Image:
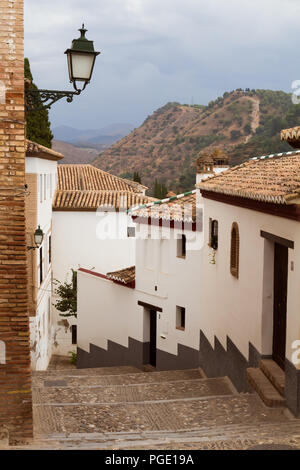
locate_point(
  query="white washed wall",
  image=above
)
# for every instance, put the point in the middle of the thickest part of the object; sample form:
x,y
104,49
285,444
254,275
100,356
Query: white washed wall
x,y
243,308
41,328
92,241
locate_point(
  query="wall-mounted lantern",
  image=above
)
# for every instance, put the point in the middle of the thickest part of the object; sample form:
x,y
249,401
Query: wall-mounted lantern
x,y
38,239
81,60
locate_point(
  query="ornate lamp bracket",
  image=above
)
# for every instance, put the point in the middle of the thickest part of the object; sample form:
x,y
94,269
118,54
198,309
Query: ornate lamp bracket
x,y
37,100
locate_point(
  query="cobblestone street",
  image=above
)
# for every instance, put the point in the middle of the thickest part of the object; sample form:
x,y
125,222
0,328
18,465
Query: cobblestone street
x,y
125,408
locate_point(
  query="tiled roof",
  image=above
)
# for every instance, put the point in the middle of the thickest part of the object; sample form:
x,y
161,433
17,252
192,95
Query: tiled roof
x,y
39,151
292,136
88,177
91,200
126,276
271,178
176,208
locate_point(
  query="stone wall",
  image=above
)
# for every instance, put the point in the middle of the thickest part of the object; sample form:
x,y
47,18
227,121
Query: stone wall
x,y
15,375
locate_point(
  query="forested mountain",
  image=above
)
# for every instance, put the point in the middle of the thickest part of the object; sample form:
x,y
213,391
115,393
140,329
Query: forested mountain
x,y
243,123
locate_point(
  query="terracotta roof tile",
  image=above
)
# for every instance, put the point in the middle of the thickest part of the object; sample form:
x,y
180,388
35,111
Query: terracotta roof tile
x,y
39,151
272,178
177,208
126,276
91,200
88,177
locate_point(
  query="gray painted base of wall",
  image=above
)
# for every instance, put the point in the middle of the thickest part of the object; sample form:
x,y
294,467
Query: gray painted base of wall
x,y
115,355
292,387
187,358
218,362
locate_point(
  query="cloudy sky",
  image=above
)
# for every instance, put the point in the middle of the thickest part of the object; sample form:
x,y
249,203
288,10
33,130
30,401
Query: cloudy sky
x,y
155,51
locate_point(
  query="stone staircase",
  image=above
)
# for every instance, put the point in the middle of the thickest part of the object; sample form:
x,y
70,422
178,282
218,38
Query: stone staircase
x,y
126,408
268,380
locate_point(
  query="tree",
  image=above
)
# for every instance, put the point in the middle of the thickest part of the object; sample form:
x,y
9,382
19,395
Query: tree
x,y
37,122
160,190
137,177
67,293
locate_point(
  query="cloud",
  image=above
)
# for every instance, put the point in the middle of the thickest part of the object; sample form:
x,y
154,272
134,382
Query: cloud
x,y
154,51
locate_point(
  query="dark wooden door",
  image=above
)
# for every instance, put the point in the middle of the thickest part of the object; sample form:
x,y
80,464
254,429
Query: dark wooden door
x,y
153,331
280,303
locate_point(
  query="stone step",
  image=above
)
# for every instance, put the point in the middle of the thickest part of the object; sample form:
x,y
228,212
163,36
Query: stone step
x,y
233,435
168,415
132,393
274,373
261,384
97,379
84,372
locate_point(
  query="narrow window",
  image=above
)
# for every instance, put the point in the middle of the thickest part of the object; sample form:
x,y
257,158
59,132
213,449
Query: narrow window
x,y
41,265
41,188
180,318
45,187
181,246
213,234
234,250
74,334
51,185
49,249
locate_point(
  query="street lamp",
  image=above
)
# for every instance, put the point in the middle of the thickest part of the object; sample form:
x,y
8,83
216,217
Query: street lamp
x,y
38,239
81,60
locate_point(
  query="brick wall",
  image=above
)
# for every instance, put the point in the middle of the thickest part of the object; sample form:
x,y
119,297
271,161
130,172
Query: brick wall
x,y
15,375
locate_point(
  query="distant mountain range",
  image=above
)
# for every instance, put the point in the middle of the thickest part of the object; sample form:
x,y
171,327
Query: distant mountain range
x,y
74,154
92,138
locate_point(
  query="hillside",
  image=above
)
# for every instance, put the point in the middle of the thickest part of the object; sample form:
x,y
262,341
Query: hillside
x,y
166,146
74,154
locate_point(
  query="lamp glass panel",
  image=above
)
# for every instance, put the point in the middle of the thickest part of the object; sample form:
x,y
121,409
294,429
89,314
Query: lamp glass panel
x,y
82,66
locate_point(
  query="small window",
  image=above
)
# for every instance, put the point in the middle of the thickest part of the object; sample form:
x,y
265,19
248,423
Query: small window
x,y
45,187
74,334
180,318
41,265
213,234
130,232
41,188
235,250
49,249
181,247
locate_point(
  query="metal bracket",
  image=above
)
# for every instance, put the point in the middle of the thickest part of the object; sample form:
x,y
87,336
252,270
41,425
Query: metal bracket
x,y
37,100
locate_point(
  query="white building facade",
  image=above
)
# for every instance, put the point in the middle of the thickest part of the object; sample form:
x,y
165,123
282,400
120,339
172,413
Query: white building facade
x,y
41,177
90,229
146,314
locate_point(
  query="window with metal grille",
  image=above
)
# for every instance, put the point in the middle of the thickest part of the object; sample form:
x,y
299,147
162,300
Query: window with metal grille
x,y
235,250
213,234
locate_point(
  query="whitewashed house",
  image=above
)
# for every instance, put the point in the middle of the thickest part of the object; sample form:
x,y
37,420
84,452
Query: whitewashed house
x,y
251,328
41,176
90,229
146,314
228,303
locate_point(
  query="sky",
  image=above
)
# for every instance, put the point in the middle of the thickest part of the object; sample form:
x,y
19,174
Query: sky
x,y
156,51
